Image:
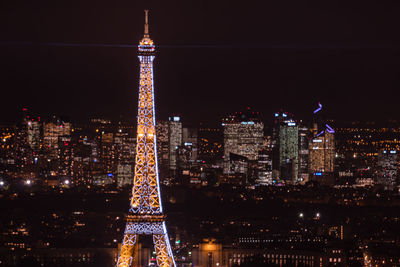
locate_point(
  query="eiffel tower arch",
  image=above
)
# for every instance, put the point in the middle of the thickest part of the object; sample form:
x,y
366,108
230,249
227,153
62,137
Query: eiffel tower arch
x,y
146,215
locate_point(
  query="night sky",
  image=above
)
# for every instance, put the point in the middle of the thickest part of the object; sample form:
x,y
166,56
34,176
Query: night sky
x,y
214,58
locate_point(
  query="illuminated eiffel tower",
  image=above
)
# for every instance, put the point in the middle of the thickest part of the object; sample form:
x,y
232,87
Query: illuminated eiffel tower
x,y
146,214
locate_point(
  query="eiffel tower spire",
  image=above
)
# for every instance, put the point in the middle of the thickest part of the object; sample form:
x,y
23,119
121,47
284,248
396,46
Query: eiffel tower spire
x,y
146,24
145,214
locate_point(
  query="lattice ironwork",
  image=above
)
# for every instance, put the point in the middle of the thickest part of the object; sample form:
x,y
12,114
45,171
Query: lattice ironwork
x,y
146,214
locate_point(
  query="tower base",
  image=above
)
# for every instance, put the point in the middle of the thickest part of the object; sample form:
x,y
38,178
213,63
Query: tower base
x,y
146,225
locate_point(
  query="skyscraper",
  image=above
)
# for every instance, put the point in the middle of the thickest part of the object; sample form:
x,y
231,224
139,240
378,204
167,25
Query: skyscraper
x,y
264,163
304,135
54,129
65,158
322,154
321,149
289,150
33,134
125,157
162,131
279,120
175,140
243,136
387,168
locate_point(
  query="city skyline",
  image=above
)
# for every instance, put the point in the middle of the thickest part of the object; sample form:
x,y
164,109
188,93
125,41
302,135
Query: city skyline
x,y
281,56
254,135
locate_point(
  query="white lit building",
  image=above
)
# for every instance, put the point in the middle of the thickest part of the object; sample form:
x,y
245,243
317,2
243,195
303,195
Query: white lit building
x,y
243,136
387,168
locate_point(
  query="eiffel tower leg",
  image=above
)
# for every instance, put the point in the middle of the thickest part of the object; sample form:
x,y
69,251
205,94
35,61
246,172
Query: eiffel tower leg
x,y
163,249
126,256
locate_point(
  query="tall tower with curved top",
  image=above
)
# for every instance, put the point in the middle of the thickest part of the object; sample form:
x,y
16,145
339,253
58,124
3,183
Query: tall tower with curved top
x,y
146,215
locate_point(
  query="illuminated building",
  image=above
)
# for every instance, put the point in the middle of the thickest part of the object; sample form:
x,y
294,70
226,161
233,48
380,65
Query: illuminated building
x,y
264,164
175,140
124,148
81,163
146,214
322,154
187,156
387,168
65,158
162,130
279,120
189,136
321,149
289,150
243,136
7,146
107,152
187,152
303,153
358,145
210,253
33,134
125,157
124,175
210,145
53,130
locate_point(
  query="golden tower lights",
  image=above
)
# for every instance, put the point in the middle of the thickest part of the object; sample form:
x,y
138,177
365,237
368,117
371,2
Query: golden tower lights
x,y
146,214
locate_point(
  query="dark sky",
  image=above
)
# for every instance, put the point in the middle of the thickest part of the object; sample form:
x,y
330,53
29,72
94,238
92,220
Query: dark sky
x,y
214,57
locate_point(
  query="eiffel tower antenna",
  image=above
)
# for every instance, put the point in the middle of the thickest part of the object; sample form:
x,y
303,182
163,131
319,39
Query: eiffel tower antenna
x,y
146,24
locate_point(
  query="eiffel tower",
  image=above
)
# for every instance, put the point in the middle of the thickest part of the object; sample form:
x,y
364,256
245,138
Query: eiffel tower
x,y
146,215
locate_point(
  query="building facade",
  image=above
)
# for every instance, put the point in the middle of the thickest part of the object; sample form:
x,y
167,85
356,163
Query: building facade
x,y
243,136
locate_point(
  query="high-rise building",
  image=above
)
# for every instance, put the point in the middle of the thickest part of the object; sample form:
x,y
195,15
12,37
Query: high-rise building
x,y
210,145
187,156
387,169
304,135
188,151
289,150
321,154
124,175
279,120
264,163
175,140
65,158
107,152
54,129
321,149
33,134
243,136
125,150
189,136
162,132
